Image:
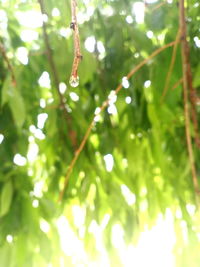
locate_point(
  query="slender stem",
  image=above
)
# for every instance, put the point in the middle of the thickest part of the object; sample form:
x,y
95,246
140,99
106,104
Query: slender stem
x,y
171,65
177,83
185,61
3,52
72,134
104,105
77,50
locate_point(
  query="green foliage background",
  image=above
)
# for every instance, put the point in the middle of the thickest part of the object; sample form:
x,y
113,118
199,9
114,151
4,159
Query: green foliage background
x,y
145,137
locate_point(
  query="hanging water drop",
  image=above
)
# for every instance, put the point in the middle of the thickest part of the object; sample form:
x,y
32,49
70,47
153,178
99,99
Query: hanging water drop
x,y
74,81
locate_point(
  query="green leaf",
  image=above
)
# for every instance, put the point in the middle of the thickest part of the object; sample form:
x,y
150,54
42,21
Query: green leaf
x,y
6,198
12,96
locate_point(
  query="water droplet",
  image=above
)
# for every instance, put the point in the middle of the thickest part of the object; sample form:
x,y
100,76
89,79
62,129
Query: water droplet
x,y
74,81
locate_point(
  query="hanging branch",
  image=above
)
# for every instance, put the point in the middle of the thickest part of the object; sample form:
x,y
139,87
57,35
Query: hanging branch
x,y
74,79
4,55
72,133
188,73
171,66
104,105
186,85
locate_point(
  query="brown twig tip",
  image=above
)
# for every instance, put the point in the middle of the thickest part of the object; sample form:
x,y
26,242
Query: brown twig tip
x,y
74,79
55,78
179,82
103,106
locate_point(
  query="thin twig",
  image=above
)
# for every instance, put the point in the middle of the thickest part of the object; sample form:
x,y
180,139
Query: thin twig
x,y
177,83
72,133
4,55
74,79
158,6
185,60
171,65
104,105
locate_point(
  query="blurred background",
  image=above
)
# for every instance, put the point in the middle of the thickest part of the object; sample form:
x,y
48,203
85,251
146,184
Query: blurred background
x,y
130,199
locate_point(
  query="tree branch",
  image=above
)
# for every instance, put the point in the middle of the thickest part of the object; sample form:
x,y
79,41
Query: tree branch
x,y
72,133
74,79
186,84
188,73
104,105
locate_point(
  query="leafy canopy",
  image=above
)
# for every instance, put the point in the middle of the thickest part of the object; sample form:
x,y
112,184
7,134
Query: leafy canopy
x,y
135,163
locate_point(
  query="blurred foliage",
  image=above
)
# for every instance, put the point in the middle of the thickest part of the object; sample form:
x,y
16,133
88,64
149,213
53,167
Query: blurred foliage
x,y
145,138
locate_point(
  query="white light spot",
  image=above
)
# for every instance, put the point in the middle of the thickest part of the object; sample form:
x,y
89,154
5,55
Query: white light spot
x,y
109,161
1,138
129,19
41,119
100,47
128,100
147,83
169,1
38,189
90,11
90,44
65,32
105,221
136,55
29,35
44,226
128,195
151,1
117,236
107,11
44,80
44,18
32,152
62,88
55,12
191,209
149,34
42,103
9,238
97,114
37,132
139,10
79,215
197,41
112,97
19,160
74,97
22,55
112,109
3,19
30,19
125,82
35,203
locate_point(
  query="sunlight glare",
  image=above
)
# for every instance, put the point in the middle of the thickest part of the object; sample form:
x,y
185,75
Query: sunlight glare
x,y
90,43
109,162
44,80
19,160
41,119
22,55
1,138
139,11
